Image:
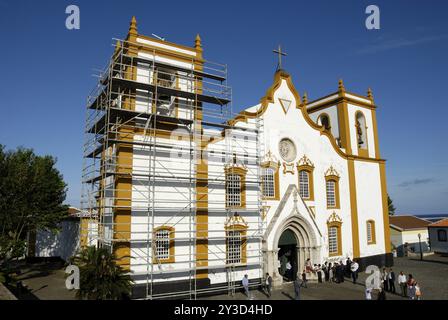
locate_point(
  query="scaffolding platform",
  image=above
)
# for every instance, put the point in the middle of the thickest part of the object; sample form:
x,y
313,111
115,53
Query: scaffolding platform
x,y
201,101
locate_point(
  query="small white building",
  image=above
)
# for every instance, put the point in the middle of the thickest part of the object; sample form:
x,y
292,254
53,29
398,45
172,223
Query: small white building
x,y
438,236
405,231
59,244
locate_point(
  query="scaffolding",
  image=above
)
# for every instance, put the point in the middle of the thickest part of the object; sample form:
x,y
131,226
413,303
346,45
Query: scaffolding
x,y
142,111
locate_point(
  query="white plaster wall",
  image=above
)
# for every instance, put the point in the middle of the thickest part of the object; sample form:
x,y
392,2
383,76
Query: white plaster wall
x,y
332,112
172,200
191,52
320,151
436,245
243,144
369,200
62,243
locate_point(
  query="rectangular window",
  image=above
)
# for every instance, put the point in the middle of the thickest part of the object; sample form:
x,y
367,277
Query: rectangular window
x,y
369,232
234,247
233,190
268,183
163,244
333,240
331,193
304,186
441,235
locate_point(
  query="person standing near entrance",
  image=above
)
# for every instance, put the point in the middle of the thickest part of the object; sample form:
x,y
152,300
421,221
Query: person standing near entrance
x,y
245,283
304,281
385,280
391,278
297,286
354,269
348,265
289,271
268,284
330,272
326,269
402,282
319,273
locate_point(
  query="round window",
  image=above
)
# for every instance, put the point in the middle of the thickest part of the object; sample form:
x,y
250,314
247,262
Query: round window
x,y
287,150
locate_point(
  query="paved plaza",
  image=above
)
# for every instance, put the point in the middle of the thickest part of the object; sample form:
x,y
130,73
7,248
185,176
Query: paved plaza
x,y
47,281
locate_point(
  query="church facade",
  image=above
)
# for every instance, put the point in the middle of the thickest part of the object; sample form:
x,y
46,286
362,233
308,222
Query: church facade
x,y
324,183
190,199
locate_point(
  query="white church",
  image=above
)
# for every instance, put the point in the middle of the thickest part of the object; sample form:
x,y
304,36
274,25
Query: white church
x,y
190,197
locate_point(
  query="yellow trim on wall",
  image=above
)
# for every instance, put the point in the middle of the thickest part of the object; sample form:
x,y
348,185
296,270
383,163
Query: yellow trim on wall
x,y
375,135
385,207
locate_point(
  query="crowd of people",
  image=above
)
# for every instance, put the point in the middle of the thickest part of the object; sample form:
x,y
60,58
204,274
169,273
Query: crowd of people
x,y
333,271
337,272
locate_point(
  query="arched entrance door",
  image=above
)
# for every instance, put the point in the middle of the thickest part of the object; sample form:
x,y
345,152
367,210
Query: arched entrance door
x,y
297,236
287,255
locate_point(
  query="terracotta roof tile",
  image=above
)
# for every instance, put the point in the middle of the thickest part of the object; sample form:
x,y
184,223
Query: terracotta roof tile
x,y
441,223
408,222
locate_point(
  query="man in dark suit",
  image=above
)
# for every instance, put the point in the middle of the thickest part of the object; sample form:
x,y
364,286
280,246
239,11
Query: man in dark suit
x,y
391,278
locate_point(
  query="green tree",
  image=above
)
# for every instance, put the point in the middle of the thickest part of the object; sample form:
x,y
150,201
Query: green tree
x,y
390,203
31,195
100,277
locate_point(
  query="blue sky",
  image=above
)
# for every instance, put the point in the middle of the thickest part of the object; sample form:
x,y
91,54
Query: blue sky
x,y
47,71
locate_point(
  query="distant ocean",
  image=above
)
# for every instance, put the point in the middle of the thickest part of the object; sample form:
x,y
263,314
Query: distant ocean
x,y
432,217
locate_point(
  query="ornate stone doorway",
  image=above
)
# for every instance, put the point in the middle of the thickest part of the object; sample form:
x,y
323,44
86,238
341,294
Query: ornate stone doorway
x,y
296,236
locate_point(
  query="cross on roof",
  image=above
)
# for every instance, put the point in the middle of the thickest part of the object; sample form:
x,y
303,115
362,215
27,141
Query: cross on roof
x,y
280,54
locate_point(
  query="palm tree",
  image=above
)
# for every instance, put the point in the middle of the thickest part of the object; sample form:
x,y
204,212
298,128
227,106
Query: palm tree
x,y
100,277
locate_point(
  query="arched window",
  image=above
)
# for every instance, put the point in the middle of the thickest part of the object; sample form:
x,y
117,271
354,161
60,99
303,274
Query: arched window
x,y
306,182
332,188
236,243
334,225
235,187
361,133
371,236
331,193
441,235
324,120
268,183
164,245
333,243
